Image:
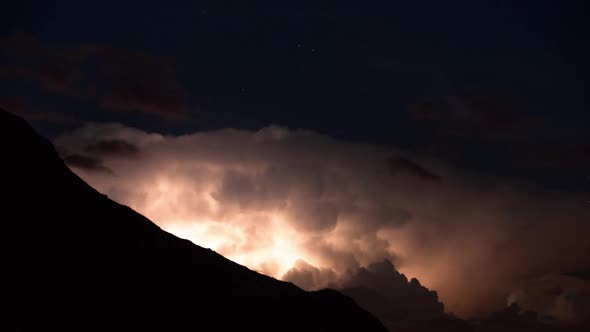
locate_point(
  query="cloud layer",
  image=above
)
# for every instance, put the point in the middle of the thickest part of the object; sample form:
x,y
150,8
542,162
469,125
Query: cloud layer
x,y
277,199
118,79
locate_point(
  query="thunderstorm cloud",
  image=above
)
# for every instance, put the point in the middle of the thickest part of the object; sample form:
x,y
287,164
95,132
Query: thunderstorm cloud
x,y
305,207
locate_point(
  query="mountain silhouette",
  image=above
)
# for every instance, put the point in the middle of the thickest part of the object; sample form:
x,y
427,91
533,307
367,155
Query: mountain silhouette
x,y
72,259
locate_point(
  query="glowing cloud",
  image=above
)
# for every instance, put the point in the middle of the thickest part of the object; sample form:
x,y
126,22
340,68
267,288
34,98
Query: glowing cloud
x,y
277,199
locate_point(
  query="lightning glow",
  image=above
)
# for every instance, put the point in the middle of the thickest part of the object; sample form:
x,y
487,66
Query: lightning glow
x,y
275,199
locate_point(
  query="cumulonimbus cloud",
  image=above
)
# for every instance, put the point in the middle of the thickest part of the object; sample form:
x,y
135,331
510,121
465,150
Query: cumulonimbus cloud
x,y
277,199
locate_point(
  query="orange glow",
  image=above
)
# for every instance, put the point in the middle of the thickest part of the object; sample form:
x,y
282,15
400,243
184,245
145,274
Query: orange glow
x,y
275,251
270,198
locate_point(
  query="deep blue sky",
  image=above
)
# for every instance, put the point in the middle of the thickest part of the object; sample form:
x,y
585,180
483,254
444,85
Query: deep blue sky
x,y
496,86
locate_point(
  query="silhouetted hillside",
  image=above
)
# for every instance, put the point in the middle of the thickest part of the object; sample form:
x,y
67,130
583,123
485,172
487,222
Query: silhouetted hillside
x,y
72,259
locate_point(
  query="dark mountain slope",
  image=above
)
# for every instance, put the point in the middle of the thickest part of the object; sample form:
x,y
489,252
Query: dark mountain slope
x,y
72,259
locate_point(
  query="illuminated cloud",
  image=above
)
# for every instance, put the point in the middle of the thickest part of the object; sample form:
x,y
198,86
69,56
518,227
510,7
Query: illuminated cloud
x,y
276,199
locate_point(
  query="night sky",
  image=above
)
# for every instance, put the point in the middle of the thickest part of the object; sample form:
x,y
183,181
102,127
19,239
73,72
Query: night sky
x,y
494,86
479,109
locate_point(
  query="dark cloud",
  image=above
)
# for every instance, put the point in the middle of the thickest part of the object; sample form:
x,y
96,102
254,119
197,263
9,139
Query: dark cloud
x,y
583,274
407,167
55,78
399,303
113,147
23,108
512,315
87,163
400,298
494,113
118,79
140,82
560,156
56,69
427,110
482,115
